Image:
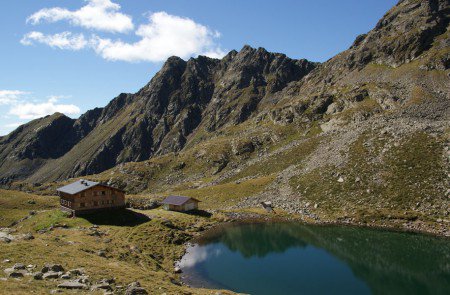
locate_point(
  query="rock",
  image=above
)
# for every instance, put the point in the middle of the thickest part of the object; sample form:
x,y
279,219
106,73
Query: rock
x,y
83,279
101,253
28,237
52,267
316,206
31,202
5,240
177,270
135,289
6,261
357,179
18,266
38,275
30,266
16,274
55,291
76,272
52,275
72,285
8,270
66,276
341,179
107,281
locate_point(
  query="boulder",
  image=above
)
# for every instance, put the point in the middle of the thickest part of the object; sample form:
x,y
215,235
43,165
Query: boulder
x,y
38,275
28,237
76,271
66,276
72,285
135,289
83,279
18,266
52,267
5,240
16,274
101,253
107,281
52,275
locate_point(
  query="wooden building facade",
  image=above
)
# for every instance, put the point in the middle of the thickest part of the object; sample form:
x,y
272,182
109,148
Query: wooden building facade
x,y
83,197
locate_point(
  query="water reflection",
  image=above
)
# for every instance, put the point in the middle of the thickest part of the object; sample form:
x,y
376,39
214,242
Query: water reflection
x,y
288,258
196,255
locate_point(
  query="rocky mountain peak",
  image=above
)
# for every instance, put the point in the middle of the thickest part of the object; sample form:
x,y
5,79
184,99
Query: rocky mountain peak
x,y
404,32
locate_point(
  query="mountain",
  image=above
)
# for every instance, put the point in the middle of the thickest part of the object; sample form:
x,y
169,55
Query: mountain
x,y
367,128
155,120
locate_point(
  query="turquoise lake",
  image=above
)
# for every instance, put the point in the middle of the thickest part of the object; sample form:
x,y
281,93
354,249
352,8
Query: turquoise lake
x,y
291,258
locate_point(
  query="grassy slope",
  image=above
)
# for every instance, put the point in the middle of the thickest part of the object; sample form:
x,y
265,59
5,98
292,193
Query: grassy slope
x,y
140,250
400,183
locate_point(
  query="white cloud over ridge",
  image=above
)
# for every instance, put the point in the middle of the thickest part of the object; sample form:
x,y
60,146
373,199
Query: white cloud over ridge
x,y
64,40
162,36
165,35
29,110
19,105
102,15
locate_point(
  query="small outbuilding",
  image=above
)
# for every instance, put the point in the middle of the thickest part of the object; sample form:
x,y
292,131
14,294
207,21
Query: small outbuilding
x,y
84,196
180,203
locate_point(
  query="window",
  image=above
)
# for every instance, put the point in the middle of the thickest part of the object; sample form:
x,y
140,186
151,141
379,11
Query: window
x,y
82,205
103,193
83,194
95,203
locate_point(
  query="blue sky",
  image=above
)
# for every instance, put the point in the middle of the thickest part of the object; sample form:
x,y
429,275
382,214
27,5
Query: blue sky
x,y
74,55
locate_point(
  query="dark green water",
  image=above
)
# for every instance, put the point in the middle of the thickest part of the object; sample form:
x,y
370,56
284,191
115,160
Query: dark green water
x,y
290,258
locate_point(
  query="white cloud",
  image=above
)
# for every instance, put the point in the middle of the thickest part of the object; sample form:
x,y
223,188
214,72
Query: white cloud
x,y
165,35
64,40
7,128
13,125
102,15
8,97
28,110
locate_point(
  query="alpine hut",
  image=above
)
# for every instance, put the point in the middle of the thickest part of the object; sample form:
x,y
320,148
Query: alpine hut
x,y
180,203
84,196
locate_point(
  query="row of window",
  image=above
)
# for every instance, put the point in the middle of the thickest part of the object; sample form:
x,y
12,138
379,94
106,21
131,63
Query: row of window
x,y
97,203
95,193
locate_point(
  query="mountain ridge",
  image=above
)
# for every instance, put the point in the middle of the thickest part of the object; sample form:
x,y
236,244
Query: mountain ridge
x,y
162,95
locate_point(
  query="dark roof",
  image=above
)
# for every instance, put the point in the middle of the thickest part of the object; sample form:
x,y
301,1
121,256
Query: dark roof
x,y
177,200
77,186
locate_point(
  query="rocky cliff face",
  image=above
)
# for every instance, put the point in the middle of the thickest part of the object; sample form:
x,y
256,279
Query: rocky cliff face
x,y
156,120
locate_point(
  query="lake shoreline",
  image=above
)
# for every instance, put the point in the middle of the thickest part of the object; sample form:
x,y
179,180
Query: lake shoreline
x,y
195,275
432,229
